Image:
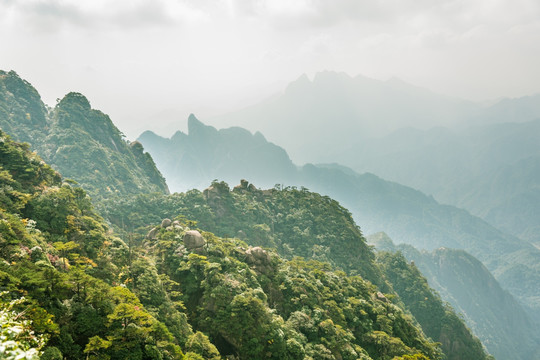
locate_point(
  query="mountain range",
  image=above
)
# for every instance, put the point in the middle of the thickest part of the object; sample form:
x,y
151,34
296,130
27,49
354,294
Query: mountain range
x,y
317,120
483,158
406,214
75,290
72,130
490,170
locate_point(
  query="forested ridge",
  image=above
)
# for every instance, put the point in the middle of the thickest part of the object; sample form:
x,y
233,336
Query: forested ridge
x,y
78,290
297,222
287,275
81,142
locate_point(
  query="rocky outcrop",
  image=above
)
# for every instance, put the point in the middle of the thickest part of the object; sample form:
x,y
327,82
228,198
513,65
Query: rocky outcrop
x,y
167,224
193,240
380,296
152,234
259,259
245,186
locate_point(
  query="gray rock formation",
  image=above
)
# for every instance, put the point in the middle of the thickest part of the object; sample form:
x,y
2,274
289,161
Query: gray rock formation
x,y
193,240
152,234
259,259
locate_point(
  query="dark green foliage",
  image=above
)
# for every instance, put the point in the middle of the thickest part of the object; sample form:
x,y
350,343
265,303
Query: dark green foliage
x,y
86,146
437,319
294,222
51,353
59,254
82,143
272,308
21,110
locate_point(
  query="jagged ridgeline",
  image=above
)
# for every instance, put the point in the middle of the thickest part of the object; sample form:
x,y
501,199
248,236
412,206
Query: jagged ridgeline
x,y
297,222
80,142
73,290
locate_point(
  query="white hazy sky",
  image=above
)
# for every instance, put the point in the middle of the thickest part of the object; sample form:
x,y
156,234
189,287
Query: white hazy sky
x,y
149,63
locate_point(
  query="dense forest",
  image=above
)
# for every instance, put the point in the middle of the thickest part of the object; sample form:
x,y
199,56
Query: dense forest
x,y
72,133
74,289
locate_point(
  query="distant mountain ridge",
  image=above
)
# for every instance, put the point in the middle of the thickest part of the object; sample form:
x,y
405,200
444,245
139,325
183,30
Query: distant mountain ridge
x,y
464,154
321,119
77,140
406,214
317,119
491,170
179,156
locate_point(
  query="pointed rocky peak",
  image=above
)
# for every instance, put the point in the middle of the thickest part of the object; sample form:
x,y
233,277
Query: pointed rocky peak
x,y
197,129
178,136
194,123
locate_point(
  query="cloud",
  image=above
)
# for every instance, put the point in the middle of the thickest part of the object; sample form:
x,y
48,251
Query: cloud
x,y
209,51
99,15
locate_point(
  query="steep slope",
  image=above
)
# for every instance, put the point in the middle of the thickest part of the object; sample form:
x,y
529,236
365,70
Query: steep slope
x,y
22,113
89,295
437,319
316,120
293,221
492,313
81,142
256,305
85,145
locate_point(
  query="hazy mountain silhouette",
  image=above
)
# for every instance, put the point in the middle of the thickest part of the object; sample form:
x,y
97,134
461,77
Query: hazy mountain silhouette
x,y
491,170
465,154
318,120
